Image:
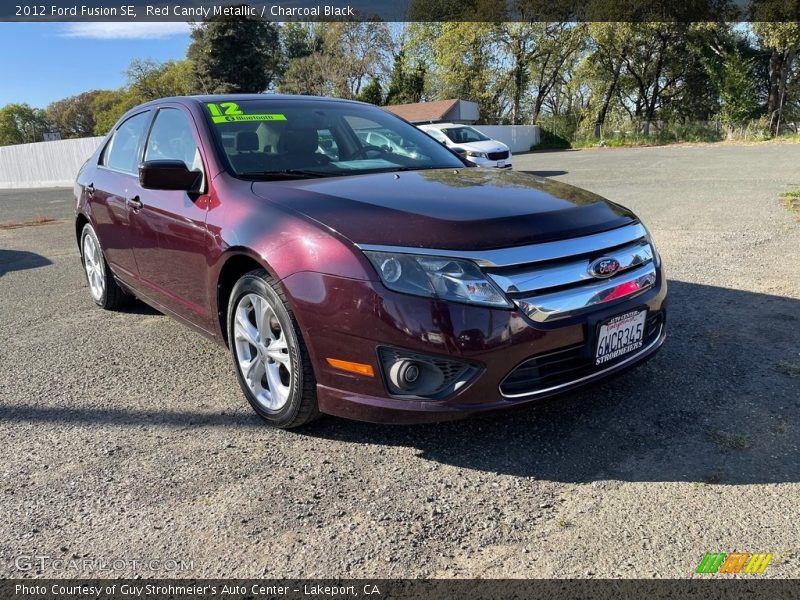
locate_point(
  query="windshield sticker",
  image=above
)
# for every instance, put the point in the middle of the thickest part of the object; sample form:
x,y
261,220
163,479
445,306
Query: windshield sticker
x,y
229,112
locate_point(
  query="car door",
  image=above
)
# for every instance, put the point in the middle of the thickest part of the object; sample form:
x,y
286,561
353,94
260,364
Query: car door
x,y
113,186
171,225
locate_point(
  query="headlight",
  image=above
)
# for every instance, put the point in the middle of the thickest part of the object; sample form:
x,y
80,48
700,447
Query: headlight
x,y
436,277
649,238
476,154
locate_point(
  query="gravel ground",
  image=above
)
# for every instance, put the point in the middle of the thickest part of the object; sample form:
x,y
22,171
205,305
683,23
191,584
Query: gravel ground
x,y
125,435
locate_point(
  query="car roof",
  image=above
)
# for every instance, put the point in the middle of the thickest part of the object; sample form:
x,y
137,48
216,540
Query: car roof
x,y
202,99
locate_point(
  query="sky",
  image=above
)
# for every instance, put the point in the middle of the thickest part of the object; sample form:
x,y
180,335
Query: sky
x,y
44,62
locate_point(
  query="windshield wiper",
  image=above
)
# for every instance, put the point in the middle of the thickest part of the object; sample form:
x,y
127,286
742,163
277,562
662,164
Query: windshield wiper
x,y
285,174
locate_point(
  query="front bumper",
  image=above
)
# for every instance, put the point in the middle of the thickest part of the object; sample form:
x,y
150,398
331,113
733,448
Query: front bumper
x,y
488,163
349,319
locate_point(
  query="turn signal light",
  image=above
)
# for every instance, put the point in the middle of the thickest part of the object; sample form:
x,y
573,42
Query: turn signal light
x,y
352,367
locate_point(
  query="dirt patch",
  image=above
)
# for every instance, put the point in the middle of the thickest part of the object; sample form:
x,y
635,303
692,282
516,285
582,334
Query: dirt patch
x,y
36,221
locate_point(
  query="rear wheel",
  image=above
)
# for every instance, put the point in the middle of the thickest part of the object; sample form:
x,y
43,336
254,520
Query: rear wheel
x,y
269,353
103,289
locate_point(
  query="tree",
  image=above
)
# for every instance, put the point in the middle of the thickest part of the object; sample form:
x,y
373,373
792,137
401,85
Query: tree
x,y
737,91
782,40
468,66
405,85
21,124
234,55
74,117
150,79
558,51
344,57
603,67
109,105
372,93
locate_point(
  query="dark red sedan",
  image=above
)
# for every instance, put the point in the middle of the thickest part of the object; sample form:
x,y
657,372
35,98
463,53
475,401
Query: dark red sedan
x,y
385,282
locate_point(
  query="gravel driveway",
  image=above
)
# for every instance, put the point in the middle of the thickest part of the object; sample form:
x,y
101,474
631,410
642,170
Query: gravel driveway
x,y
125,435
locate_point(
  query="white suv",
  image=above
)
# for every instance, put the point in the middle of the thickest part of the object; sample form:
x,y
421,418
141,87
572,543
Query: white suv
x,y
483,151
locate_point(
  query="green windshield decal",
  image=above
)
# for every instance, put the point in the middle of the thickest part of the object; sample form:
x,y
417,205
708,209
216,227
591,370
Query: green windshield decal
x,y
229,112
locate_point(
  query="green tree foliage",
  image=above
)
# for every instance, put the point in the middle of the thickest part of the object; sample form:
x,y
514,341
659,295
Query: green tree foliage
x,y
372,93
74,117
21,124
234,55
468,65
150,79
782,41
337,58
405,85
109,105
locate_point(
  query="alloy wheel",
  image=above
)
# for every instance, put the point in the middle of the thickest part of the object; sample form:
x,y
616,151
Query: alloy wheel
x,y
262,352
93,263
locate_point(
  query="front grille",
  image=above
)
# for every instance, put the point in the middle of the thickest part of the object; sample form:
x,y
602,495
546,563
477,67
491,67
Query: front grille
x,y
556,280
498,155
568,364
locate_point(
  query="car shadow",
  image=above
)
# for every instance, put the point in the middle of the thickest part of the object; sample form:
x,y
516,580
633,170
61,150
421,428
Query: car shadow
x,y
545,173
720,403
20,260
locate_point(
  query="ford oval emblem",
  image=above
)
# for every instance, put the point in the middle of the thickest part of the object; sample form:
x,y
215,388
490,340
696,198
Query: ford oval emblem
x,y
604,267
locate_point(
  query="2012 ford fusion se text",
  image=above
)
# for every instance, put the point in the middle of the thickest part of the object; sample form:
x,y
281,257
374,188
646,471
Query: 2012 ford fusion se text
x,y
383,283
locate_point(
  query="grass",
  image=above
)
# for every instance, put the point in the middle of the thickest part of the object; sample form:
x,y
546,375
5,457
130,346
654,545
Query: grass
x,y
563,523
791,200
40,220
731,442
560,139
786,368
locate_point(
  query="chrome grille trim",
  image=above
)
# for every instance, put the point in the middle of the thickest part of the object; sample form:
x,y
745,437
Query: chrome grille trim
x,y
540,278
544,308
520,255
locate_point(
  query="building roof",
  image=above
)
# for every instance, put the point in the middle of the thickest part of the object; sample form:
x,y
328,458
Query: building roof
x,y
418,112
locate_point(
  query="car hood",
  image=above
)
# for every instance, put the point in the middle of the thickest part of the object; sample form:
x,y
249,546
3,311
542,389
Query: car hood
x,y
486,146
450,209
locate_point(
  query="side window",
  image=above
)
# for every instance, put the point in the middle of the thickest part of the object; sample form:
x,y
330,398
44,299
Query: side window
x,y
122,152
327,143
436,134
171,138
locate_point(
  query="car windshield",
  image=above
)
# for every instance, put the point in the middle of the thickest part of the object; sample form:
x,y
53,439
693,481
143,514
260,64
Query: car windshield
x,y
279,138
464,135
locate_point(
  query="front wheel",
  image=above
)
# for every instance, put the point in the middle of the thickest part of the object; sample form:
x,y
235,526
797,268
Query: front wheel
x,y
269,354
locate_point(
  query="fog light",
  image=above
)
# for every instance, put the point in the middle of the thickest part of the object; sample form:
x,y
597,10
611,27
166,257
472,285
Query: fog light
x,y
418,375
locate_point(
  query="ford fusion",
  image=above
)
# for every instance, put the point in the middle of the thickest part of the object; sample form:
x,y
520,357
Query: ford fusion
x,y
379,280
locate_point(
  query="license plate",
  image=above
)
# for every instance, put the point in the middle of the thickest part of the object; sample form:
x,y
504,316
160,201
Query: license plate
x,y
619,336
501,164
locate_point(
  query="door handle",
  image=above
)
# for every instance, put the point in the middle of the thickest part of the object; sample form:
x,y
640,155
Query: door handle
x,y
135,204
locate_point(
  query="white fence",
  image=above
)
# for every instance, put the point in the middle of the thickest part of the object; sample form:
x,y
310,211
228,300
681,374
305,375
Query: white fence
x,y
44,164
49,164
519,138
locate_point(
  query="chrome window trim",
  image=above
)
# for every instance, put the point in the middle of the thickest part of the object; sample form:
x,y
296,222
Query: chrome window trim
x,y
662,334
567,303
576,272
520,255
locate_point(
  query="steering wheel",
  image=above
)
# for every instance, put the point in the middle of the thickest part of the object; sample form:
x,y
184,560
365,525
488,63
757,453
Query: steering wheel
x,y
369,148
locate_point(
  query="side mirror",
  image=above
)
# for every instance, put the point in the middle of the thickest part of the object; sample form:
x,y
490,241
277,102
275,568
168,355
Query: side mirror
x,y
168,175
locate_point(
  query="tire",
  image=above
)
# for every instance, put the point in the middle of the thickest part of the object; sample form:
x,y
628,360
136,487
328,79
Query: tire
x,y
269,354
103,288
